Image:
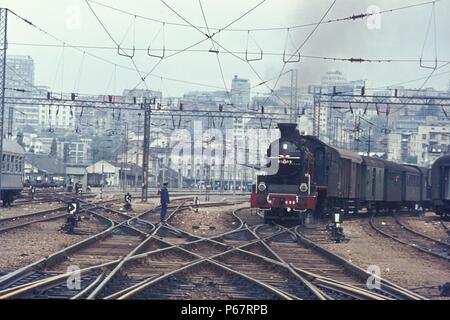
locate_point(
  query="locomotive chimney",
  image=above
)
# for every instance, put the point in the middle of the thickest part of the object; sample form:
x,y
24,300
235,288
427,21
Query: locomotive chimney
x,y
287,129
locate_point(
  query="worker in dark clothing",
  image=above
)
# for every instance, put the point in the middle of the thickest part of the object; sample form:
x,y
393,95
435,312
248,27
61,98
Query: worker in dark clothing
x,y
78,187
164,195
7,199
32,191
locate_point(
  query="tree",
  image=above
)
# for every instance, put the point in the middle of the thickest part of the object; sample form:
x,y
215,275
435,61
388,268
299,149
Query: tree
x,y
53,148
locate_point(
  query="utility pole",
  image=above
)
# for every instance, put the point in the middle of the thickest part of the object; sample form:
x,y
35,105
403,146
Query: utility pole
x,y
10,121
145,154
293,112
137,152
368,145
3,47
316,114
235,164
126,157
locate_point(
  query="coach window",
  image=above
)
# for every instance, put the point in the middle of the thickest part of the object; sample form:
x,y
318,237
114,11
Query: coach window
x,y
3,162
16,165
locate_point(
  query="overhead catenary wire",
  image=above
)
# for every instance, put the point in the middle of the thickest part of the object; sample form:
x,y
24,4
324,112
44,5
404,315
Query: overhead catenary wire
x,y
310,34
76,85
224,48
347,59
279,28
216,53
432,18
118,44
196,83
202,40
237,52
102,59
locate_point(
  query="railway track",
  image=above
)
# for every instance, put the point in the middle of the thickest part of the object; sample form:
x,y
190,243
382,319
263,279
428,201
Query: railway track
x,y
336,277
198,267
164,262
250,260
90,255
19,221
50,196
391,227
7,224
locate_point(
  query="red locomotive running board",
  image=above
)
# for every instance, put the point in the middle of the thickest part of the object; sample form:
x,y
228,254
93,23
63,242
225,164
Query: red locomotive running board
x,y
292,201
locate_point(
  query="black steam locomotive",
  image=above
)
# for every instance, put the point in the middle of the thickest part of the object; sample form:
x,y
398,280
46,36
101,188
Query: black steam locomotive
x,y
309,176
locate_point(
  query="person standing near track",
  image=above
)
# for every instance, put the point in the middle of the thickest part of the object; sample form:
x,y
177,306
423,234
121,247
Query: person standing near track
x,y
164,197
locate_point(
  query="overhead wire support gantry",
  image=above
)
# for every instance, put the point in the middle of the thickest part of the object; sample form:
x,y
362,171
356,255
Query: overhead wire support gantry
x,y
334,100
3,48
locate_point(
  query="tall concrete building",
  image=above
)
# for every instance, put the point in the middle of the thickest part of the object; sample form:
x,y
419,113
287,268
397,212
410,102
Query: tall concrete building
x,y
240,92
20,83
19,74
432,143
56,117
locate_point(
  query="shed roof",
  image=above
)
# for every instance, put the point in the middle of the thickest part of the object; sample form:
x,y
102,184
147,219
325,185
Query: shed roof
x,y
45,163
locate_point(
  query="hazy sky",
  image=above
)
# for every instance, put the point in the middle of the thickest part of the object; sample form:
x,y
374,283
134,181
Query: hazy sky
x,y
401,36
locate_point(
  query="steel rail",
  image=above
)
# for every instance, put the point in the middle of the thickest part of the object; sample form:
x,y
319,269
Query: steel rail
x,y
340,286
97,290
387,286
131,254
200,239
24,288
61,254
418,247
31,215
190,266
54,279
212,258
397,219
170,247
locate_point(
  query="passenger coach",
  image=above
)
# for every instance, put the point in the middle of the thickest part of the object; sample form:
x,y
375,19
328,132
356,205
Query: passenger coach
x,y
11,182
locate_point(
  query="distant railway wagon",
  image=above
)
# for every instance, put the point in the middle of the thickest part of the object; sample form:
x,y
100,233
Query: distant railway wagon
x,y
11,182
440,181
315,177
